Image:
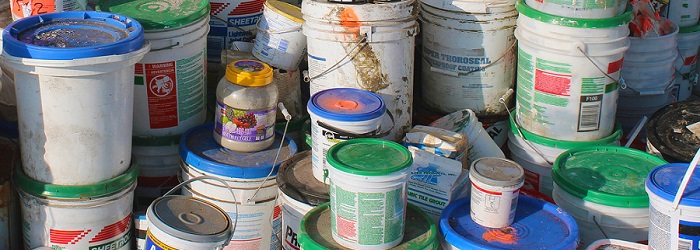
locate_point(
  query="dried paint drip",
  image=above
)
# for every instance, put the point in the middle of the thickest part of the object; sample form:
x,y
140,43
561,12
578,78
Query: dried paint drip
x,y
508,235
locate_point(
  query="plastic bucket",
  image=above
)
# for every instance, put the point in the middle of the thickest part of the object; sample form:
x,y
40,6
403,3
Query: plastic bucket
x,y
673,228
362,172
668,135
468,59
480,142
231,20
24,8
495,187
648,67
364,46
170,81
686,76
279,41
684,13
555,62
602,188
615,244
67,95
580,9
497,128
10,225
159,161
77,217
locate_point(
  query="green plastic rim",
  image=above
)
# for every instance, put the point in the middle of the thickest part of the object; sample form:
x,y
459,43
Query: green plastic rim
x,y
155,141
304,237
544,141
100,189
343,157
586,23
690,29
149,15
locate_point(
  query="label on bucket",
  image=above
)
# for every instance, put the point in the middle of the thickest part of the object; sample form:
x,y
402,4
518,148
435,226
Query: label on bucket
x,y
663,227
113,236
252,227
232,20
152,243
245,125
491,208
532,180
25,8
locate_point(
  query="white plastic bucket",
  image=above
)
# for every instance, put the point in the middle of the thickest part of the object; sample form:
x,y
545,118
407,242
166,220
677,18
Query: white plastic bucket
x,y
473,6
364,46
648,67
279,41
495,188
686,76
231,20
632,106
580,9
159,161
603,244
555,61
684,13
468,59
24,8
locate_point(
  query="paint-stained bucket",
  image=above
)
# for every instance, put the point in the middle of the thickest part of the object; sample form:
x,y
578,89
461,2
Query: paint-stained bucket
x,y
170,81
563,90
603,189
231,20
684,13
75,103
10,225
298,194
648,67
24,8
580,9
669,133
279,41
364,46
159,162
420,232
495,185
368,179
538,225
77,217
686,76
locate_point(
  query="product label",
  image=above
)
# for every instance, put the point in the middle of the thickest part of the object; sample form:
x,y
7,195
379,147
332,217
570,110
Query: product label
x,y
231,21
152,243
275,241
114,236
659,230
317,65
474,62
244,125
25,8
257,229
492,208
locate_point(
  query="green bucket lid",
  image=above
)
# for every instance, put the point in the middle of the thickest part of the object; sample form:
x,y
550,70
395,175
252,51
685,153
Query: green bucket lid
x,y
369,157
607,175
540,140
158,14
155,141
689,29
103,188
587,23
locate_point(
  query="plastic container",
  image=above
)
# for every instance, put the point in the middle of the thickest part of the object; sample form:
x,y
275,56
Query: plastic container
x,y
686,77
494,194
480,142
279,41
159,163
246,107
616,244
648,67
667,134
580,9
21,8
685,13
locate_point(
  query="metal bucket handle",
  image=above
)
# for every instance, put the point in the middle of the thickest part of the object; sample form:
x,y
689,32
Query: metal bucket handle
x,y
371,134
518,128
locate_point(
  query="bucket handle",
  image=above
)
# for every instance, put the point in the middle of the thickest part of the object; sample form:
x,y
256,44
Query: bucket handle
x,y
620,82
686,179
457,73
669,85
371,134
518,128
288,118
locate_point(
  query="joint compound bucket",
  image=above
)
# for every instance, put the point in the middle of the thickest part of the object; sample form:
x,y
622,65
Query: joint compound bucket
x,y
648,67
231,20
686,76
339,115
364,46
673,228
684,13
75,104
298,194
538,225
468,59
170,80
580,9
279,41
495,184
561,94
669,133
77,217
602,188
368,192
24,8
252,177
159,161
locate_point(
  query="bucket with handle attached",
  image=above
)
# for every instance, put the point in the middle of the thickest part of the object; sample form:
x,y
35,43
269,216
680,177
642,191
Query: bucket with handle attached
x,y
279,41
686,64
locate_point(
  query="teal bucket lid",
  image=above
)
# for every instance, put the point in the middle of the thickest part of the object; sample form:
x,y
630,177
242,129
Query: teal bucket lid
x,y
158,14
544,141
607,175
100,189
369,157
586,23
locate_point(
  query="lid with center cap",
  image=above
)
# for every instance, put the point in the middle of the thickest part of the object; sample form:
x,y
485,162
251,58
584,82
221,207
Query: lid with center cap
x,y
189,218
346,104
158,14
497,172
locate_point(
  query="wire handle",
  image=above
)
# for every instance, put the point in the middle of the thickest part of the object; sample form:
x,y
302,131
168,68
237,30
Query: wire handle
x,y
686,179
518,127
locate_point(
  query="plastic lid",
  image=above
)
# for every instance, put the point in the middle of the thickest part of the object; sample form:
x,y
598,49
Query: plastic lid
x,y
540,140
199,150
72,35
158,14
369,157
155,141
665,180
103,188
616,21
668,133
607,175
497,171
285,9
537,225
689,29
190,219
251,73
293,180
346,104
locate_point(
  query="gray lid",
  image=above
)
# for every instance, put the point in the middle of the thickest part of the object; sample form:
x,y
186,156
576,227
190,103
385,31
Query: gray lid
x,y
189,218
497,171
293,180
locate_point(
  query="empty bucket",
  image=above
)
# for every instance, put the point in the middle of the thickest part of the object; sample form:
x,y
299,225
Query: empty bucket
x,y
159,161
648,67
279,41
669,133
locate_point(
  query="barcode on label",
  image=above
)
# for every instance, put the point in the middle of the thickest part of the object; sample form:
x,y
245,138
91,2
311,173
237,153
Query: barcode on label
x,y
685,244
589,113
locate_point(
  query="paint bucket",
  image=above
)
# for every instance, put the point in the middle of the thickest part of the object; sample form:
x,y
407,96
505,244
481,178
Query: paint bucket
x,y
603,189
24,8
279,41
362,172
339,115
538,225
170,81
648,67
419,231
252,177
77,217
468,59
298,194
140,229
555,61
686,76
159,161
364,46
580,9
668,135
231,20
75,104
616,244
684,13
10,225
494,193
671,228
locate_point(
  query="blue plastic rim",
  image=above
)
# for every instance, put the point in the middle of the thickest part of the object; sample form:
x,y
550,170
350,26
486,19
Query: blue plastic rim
x,y
372,105
665,180
74,35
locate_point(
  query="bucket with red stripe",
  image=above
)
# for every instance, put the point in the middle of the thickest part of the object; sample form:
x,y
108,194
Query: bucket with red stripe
x,y
496,184
231,20
159,161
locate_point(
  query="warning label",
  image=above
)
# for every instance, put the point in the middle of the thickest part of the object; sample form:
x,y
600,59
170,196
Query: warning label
x,y
162,94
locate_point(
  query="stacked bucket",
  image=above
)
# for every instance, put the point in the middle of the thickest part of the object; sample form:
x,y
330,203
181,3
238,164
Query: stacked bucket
x,y
685,14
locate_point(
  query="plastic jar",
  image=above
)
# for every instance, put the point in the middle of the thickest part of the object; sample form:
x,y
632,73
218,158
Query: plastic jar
x,y
246,107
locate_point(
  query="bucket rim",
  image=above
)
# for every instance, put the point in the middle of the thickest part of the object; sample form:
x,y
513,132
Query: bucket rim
x,y
155,220
199,9
172,140
315,107
660,188
378,168
616,21
689,29
563,144
659,122
282,8
304,195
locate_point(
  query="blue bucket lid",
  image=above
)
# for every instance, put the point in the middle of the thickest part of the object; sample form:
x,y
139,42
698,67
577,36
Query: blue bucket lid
x,y
347,104
664,181
538,225
72,35
199,150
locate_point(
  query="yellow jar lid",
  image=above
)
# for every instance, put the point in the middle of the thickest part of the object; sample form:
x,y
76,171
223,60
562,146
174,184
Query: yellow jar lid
x,y
250,73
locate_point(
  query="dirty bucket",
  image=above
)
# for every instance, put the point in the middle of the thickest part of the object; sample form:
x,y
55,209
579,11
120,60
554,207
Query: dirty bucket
x,y
24,8
159,161
77,217
561,93
362,172
668,134
468,59
10,224
279,41
686,76
170,81
75,104
603,189
231,20
364,46
684,13
648,67
538,225
605,244
480,142
580,9
494,195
